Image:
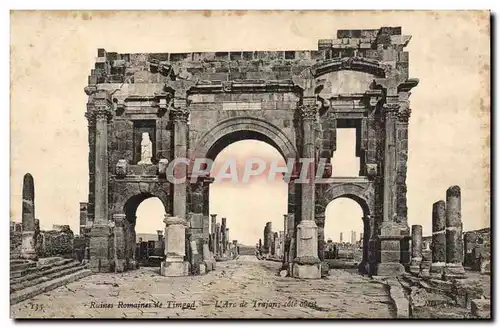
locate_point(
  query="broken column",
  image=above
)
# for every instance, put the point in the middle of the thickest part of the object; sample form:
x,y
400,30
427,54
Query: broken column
x,y
236,249
267,238
175,248
119,243
281,244
207,256
228,242
212,231
223,240
275,244
470,240
454,246
28,250
217,250
416,248
438,239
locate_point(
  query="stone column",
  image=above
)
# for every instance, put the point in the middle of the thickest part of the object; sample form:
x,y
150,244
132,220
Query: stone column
x,y
28,250
133,263
425,265
267,240
390,111
212,231
307,265
119,242
223,236
416,248
273,243
320,223
175,248
438,239
454,243
470,240
282,244
180,118
391,232
228,241
217,250
99,113
236,249
285,223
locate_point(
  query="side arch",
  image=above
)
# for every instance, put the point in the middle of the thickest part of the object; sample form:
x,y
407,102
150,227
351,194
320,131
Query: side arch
x,y
361,194
134,193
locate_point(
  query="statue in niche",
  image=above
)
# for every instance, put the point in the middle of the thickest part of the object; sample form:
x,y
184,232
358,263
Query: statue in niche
x,y
146,149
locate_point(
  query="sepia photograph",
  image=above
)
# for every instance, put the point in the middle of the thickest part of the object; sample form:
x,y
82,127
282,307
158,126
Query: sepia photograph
x,y
250,165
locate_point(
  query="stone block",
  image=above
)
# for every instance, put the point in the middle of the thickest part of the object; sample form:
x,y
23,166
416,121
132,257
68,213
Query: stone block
x,y
174,269
162,167
307,271
481,308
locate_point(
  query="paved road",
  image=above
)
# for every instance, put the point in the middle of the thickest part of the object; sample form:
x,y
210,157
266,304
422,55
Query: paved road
x,y
244,288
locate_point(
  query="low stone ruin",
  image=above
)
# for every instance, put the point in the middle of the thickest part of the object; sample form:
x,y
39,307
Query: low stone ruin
x,y
40,260
448,275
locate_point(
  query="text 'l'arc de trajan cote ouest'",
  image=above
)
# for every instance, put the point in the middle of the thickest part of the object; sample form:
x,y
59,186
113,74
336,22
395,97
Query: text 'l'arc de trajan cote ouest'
x,y
192,105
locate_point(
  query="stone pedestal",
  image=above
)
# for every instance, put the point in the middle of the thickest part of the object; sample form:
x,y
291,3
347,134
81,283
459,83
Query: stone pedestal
x,y
175,248
390,250
438,239
99,248
416,248
307,264
28,251
454,242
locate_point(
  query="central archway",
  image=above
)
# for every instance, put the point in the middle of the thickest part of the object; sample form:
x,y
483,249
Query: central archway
x,y
233,130
241,128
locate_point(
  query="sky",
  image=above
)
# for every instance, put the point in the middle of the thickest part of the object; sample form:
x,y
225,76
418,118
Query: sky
x,y
52,54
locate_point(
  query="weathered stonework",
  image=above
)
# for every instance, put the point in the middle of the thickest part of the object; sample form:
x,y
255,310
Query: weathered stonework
x,y
438,239
195,104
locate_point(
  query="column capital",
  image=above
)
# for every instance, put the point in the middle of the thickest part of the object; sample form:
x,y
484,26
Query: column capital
x,y
404,115
179,115
308,111
174,220
99,113
391,108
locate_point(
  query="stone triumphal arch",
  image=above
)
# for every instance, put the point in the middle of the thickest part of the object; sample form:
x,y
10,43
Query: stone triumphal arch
x,y
145,110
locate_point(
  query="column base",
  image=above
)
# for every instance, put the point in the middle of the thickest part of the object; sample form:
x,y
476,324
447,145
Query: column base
x,y
99,249
453,271
414,267
174,269
132,264
425,269
200,269
100,265
436,270
28,251
389,269
210,265
306,271
120,266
